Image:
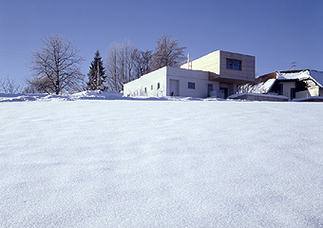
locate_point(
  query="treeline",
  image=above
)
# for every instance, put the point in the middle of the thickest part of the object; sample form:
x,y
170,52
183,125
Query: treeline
x,y
56,65
8,85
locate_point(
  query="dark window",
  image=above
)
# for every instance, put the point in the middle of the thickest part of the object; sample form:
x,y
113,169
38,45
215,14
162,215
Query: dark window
x,y
292,93
191,85
152,87
158,85
280,92
209,88
224,91
233,64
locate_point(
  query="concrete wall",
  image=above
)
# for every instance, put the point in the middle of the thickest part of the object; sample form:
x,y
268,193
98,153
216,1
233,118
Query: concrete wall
x,y
308,93
172,81
258,97
286,88
184,76
147,85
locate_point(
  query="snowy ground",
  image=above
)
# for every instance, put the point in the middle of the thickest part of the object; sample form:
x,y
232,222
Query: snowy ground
x,y
160,163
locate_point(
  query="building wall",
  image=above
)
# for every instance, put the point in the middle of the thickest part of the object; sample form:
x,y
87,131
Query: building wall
x,y
215,62
147,85
208,62
172,81
184,76
287,88
231,89
247,72
308,93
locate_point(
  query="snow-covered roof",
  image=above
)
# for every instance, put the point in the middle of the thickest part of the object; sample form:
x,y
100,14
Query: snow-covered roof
x,y
262,87
317,76
267,85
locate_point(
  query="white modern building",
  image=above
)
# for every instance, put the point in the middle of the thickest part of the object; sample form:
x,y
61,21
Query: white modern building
x,y
217,74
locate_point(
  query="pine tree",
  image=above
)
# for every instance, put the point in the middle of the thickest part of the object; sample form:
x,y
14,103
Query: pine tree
x,y
96,73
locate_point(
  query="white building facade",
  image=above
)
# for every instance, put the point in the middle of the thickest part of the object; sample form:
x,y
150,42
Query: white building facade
x,y
216,75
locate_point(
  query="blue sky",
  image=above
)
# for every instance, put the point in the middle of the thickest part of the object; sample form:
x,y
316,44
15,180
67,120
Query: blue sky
x,y
276,32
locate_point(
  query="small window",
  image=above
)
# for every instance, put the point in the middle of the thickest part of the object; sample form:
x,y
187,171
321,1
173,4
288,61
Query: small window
x,y
158,85
145,90
233,64
292,93
281,89
191,85
224,92
152,87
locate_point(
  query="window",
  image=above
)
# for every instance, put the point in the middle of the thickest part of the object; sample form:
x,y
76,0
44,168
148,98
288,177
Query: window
x,y
233,64
292,93
191,85
281,89
224,92
158,85
152,87
209,87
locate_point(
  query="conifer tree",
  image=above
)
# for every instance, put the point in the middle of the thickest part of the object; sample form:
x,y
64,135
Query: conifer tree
x,y
96,73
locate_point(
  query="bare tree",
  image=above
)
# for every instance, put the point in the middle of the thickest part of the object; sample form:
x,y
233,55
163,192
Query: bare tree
x,y
121,64
112,67
8,85
39,85
142,62
167,53
58,61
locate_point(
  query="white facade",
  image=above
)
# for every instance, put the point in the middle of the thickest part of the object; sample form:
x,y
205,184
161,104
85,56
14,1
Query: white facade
x,y
172,81
202,80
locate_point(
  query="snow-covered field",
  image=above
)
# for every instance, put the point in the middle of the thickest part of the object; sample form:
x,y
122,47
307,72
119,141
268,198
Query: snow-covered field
x,y
160,163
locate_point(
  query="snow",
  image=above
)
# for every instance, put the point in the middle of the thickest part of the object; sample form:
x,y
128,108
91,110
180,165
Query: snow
x,y
84,95
312,98
262,87
119,162
306,74
258,97
318,76
294,75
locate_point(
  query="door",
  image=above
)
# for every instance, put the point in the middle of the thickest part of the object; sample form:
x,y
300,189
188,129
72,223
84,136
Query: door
x,y
209,89
173,87
224,92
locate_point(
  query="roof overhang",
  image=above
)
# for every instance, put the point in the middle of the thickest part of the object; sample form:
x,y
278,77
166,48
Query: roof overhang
x,y
218,78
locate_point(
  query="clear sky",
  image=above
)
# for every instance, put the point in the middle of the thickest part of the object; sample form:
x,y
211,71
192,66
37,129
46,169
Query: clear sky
x,y
276,32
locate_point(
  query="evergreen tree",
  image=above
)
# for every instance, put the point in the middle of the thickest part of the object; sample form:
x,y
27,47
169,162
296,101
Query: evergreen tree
x,y
96,73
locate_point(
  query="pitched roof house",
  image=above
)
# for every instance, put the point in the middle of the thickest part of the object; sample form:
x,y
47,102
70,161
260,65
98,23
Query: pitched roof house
x,y
294,85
